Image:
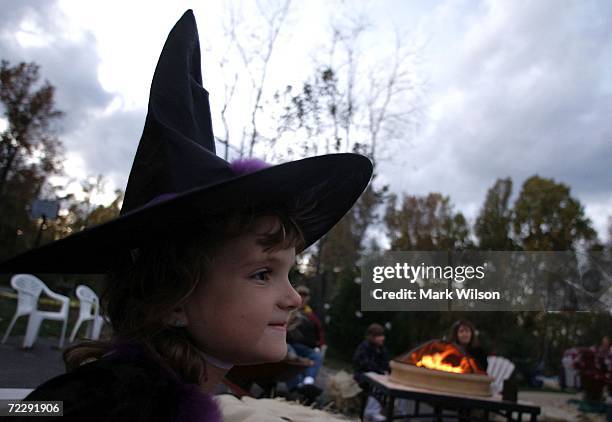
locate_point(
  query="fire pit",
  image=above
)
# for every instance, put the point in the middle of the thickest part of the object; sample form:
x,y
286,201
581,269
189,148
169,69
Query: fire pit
x,y
441,366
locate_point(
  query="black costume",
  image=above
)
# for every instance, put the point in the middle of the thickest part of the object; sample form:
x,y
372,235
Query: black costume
x,y
478,354
129,384
369,357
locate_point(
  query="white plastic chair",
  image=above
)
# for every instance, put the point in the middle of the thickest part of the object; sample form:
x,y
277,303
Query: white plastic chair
x,y
89,310
29,289
499,369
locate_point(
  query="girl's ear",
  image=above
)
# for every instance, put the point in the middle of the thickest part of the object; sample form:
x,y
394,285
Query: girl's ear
x,y
177,318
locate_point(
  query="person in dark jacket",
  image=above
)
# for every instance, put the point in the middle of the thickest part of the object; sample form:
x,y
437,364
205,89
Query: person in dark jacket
x,y
463,334
371,356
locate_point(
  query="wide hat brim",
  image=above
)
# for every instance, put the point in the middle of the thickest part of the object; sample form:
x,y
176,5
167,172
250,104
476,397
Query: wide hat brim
x,y
326,187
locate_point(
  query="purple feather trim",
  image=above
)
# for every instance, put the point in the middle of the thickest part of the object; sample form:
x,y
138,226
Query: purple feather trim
x,y
194,405
198,407
247,165
239,167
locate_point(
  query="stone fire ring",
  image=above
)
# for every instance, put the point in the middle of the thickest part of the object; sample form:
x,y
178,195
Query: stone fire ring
x,y
448,382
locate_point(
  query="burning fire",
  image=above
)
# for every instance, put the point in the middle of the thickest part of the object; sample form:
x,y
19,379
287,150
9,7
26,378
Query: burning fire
x,y
442,356
436,361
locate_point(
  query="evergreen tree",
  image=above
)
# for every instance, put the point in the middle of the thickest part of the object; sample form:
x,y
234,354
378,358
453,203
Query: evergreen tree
x,y
493,225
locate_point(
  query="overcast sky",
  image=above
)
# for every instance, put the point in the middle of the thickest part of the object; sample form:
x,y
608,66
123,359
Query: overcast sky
x,y
515,88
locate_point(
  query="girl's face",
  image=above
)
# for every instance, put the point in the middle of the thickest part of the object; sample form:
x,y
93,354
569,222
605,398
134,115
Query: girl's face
x,y
239,312
464,334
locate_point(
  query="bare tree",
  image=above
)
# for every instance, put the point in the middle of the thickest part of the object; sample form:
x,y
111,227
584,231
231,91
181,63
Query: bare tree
x,y
254,49
352,100
228,95
399,80
348,105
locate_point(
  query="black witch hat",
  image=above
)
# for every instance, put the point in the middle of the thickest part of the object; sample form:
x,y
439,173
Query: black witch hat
x,y
177,179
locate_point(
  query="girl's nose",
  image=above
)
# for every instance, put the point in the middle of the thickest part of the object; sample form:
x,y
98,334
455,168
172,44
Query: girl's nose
x,y
293,299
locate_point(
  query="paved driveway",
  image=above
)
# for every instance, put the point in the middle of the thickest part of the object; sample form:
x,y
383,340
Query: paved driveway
x,y
29,368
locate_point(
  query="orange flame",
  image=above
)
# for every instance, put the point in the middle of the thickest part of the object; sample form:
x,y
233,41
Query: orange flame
x,y
436,361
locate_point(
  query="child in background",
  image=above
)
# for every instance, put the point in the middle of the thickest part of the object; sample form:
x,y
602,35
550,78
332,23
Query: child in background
x,y
371,356
306,338
198,260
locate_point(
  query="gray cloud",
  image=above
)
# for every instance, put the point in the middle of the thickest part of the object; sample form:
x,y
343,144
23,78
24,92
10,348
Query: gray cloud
x,y
71,65
109,144
525,90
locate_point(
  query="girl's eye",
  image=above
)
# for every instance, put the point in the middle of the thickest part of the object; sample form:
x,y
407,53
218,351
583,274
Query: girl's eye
x,y
263,275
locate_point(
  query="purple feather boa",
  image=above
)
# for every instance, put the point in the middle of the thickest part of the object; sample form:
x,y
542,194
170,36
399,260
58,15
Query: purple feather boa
x,y
194,405
247,165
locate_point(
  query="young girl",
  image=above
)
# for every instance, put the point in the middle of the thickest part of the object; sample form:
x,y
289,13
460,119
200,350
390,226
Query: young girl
x,y
198,260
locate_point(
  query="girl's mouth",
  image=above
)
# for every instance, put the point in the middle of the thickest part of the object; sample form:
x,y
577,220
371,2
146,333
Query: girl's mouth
x,y
278,326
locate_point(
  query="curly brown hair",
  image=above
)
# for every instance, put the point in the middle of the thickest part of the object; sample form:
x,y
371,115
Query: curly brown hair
x,y
145,285
454,332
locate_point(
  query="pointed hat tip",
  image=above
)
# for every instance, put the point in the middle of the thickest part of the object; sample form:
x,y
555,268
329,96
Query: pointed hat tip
x,y
188,15
187,20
